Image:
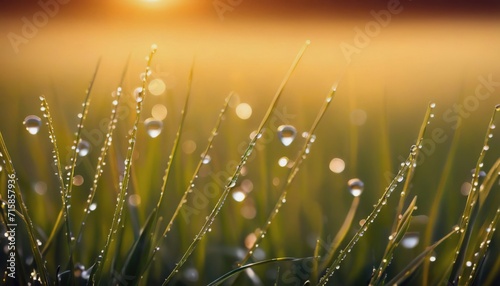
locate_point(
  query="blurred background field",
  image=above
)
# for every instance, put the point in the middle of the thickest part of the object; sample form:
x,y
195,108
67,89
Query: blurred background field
x,y
427,53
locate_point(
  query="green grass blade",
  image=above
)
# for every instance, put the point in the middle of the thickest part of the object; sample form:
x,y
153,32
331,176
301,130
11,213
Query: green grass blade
x,y
400,176
233,272
117,216
104,150
411,169
470,207
482,248
489,181
291,175
9,168
436,202
175,146
173,152
415,263
232,180
341,234
315,266
137,256
183,200
394,239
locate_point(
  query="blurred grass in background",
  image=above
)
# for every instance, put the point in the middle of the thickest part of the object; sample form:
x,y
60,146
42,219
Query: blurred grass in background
x,y
371,136
372,122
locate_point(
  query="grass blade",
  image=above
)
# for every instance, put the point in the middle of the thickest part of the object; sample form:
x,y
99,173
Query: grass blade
x,y
9,168
104,150
410,268
402,172
394,239
436,202
482,248
471,205
233,272
183,200
232,180
291,175
136,258
341,234
102,258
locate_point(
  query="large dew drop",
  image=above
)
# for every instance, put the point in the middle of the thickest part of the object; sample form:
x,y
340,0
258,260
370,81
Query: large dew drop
x,y
206,159
32,124
286,133
153,127
83,148
356,186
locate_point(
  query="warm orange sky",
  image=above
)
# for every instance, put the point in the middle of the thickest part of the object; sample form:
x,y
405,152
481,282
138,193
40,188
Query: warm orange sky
x,y
432,50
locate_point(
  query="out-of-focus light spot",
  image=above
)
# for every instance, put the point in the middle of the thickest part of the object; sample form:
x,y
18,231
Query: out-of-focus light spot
x,y
246,186
40,187
234,101
465,189
248,211
276,181
78,180
283,161
358,117
410,240
159,111
239,196
250,240
191,274
134,200
244,111
188,146
157,87
337,165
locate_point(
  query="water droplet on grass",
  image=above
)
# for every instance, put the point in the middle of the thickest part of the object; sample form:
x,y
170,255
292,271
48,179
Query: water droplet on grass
x,y
83,148
32,124
153,127
206,158
286,134
356,186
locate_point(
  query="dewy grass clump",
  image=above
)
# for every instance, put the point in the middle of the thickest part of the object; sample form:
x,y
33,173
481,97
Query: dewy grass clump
x,y
153,242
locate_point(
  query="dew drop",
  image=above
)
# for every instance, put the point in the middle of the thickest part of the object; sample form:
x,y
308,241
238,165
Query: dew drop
x,y
286,134
497,107
138,94
433,105
83,148
92,207
355,186
32,124
153,127
206,158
